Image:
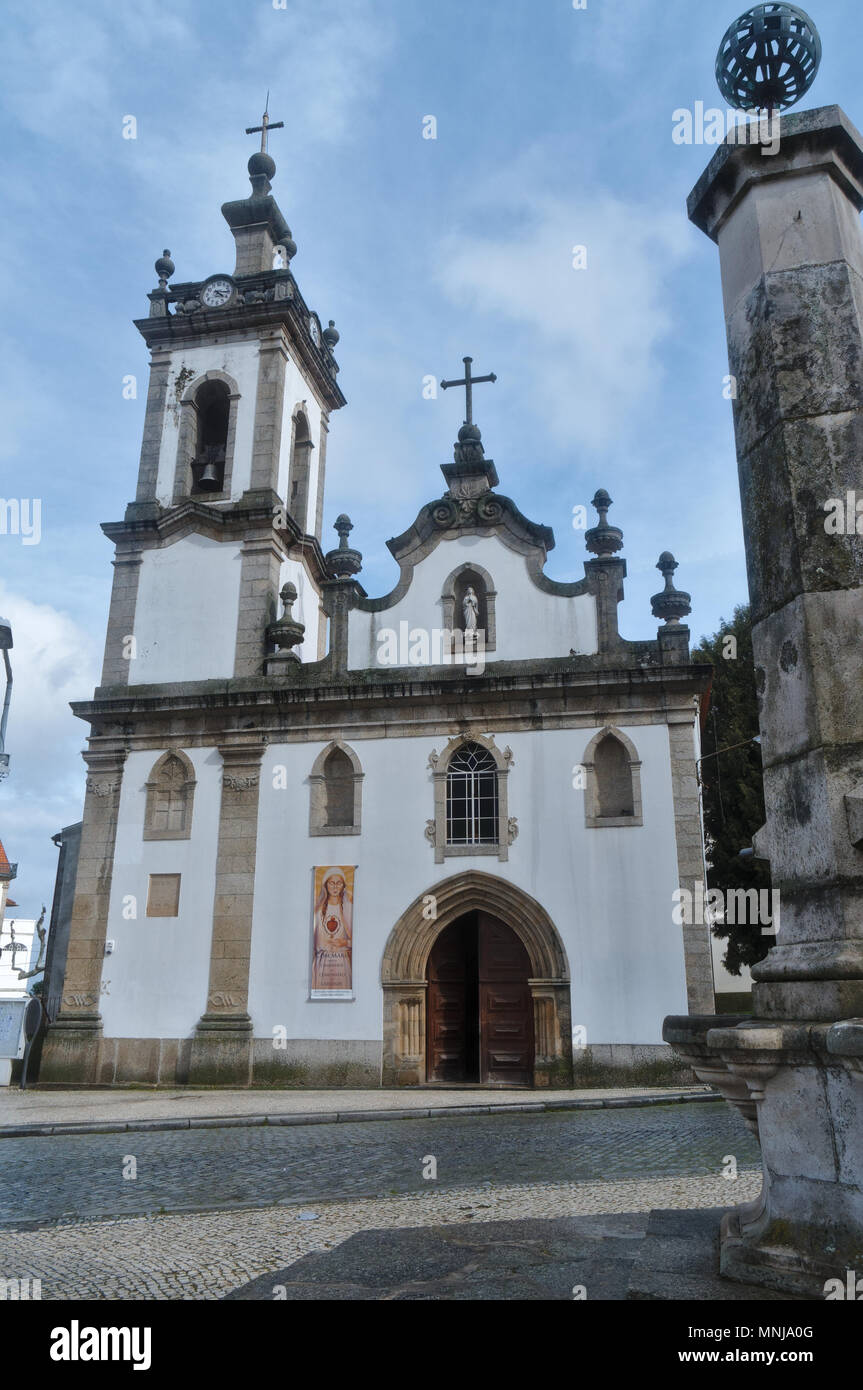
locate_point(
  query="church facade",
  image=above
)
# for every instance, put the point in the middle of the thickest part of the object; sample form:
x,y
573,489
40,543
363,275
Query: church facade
x,y
328,839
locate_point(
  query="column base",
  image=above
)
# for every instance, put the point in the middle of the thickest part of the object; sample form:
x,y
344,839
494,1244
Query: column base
x,y
71,1051
221,1052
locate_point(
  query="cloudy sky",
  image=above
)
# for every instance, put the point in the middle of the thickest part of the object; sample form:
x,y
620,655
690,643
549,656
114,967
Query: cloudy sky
x,y
554,130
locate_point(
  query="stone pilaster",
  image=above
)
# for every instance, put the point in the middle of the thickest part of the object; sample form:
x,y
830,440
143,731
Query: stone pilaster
x,y
222,1047
690,859
269,405
118,661
154,420
260,562
71,1051
339,596
606,576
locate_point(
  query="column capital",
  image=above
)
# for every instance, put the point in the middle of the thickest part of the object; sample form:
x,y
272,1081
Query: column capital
x,y
822,140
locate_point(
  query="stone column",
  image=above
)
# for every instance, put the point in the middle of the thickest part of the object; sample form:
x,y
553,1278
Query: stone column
x,y
791,251
221,1052
71,1051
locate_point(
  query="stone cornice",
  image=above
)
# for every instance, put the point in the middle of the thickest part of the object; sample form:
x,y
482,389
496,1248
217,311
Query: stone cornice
x,y
290,311
147,525
563,687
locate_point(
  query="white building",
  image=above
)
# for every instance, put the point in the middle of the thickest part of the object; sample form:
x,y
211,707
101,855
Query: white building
x,y
432,836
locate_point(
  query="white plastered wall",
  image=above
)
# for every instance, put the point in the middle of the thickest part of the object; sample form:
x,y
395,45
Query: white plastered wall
x,y
307,608
529,622
608,891
186,611
155,980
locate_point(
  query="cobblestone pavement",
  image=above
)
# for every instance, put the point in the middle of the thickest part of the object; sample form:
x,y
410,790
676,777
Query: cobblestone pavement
x,y
81,1176
208,1256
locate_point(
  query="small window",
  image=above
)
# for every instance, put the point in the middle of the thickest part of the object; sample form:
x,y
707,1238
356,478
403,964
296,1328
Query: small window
x,y
163,895
170,794
335,806
613,778
339,789
300,470
472,813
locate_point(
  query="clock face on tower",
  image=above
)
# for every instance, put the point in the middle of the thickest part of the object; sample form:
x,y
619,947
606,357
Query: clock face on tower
x,y
217,292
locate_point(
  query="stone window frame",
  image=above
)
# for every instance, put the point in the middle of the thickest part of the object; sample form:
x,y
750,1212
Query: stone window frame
x,y
507,826
152,785
318,798
163,880
300,409
188,438
490,593
592,819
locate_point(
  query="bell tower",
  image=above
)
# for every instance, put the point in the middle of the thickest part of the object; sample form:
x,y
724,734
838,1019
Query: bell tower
x,y
229,501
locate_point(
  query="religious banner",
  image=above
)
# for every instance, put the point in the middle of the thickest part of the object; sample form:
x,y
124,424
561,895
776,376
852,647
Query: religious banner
x,y
332,933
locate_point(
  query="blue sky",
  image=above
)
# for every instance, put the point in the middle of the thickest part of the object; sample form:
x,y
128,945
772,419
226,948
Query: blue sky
x,y
553,129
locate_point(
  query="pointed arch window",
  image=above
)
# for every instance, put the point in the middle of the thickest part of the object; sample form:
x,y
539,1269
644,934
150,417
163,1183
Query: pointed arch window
x,y
613,781
470,800
472,808
300,471
336,799
170,799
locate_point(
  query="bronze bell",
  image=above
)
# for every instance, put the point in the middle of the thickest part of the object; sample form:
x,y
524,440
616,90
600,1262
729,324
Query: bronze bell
x,y
210,478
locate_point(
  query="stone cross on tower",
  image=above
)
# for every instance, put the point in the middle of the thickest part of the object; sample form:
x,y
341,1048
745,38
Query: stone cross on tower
x,y
468,382
265,126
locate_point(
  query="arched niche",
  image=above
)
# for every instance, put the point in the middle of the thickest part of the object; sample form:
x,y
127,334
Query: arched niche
x,y
208,428
612,792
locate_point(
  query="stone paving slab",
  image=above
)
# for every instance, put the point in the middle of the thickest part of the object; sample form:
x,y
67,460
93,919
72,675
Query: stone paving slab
x,y
670,1255
81,1176
679,1259
525,1260
105,1111
206,1256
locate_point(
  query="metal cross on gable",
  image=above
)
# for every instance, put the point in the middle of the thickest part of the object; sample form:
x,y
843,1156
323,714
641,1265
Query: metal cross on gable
x,y
265,126
468,382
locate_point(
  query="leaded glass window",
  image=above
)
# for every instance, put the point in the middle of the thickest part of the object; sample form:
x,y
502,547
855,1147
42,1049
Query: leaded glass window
x,y
471,797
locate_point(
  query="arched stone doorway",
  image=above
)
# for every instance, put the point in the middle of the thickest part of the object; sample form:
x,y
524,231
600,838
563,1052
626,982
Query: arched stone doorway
x,y
404,976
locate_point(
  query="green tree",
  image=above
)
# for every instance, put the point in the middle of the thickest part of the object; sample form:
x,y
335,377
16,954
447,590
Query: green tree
x,y
732,782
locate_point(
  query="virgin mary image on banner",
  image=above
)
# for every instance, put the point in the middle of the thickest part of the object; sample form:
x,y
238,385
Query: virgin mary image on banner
x,y
333,929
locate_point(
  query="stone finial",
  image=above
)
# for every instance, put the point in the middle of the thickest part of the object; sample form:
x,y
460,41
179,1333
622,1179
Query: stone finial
x,y
469,448
345,562
603,540
331,335
164,269
287,632
671,604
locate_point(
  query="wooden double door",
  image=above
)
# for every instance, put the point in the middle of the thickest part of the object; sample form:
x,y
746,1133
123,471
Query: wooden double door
x,y
479,1008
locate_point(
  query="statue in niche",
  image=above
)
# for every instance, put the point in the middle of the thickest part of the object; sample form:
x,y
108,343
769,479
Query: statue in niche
x,y
470,609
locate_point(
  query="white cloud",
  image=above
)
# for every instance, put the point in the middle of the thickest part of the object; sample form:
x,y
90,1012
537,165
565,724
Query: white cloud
x,y
54,661
588,339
